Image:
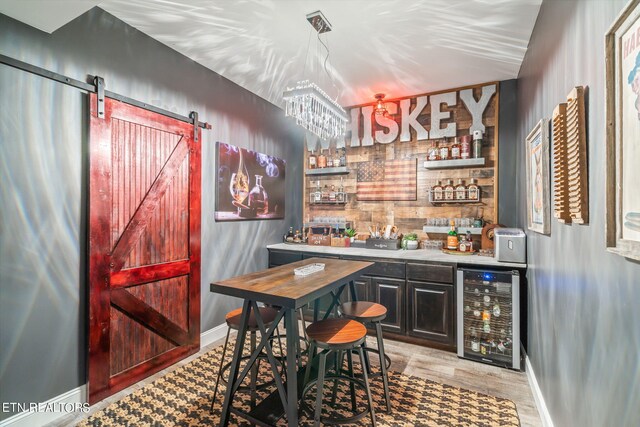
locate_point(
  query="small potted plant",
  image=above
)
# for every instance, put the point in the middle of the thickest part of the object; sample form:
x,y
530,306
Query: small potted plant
x,y
351,234
410,241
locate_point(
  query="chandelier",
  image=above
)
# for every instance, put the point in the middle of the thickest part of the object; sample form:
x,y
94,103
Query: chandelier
x,y
309,105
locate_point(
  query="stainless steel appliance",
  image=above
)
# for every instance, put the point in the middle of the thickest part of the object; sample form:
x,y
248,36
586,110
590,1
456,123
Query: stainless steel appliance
x,y
488,304
510,245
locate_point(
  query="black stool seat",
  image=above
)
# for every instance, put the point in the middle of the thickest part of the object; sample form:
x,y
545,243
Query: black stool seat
x,y
363,311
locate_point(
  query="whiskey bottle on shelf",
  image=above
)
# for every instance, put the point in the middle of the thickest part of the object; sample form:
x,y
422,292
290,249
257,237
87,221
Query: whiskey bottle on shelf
x,y
469,241
340,196
455,150
473,191
329,159
437,192
461,191
432,152
343,156
452,238
317,195
313,161
444,151
325,193
477,144
322,159
337,162
449,191
465,146
332,193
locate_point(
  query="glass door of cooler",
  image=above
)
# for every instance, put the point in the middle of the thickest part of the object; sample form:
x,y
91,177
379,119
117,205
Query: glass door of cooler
x,y
488,304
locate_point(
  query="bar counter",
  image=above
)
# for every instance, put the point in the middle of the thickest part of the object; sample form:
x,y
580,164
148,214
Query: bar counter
x,y
410,255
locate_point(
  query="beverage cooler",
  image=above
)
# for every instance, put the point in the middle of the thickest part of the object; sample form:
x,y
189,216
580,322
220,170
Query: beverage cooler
x,y
488,304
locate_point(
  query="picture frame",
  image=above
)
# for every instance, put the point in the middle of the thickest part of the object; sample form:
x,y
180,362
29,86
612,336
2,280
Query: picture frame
x,y
249,185
622,95
537,170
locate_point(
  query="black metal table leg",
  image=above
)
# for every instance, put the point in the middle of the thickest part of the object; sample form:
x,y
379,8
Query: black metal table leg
x,y
291,324
235,364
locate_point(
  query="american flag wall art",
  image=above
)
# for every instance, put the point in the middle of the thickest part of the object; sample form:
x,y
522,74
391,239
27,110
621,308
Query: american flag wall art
x,y
390,180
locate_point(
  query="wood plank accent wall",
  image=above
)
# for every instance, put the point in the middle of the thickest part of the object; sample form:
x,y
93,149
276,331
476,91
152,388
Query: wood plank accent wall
x,y
410,216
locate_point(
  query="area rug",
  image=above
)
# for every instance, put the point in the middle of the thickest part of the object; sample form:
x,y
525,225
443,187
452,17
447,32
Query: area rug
x,y
183,398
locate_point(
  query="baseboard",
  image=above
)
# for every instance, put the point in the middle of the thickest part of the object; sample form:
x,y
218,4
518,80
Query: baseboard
x,y
213,334
537,395
47,414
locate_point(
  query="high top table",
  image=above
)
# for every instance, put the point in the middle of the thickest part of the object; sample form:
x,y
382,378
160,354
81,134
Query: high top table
x,y
279,286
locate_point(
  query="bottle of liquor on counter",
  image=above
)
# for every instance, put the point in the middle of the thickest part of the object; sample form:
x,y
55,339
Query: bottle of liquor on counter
x,y
332,193
470,241
465,146
449,191
444,151
463,245
452,238
313,160
340,196
437,192
322,159
473,192
317,196
477,144
432,152
329,159
455,149
461,190
289,236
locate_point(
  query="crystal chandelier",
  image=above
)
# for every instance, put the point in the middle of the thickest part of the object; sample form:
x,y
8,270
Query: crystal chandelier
x,y
312,108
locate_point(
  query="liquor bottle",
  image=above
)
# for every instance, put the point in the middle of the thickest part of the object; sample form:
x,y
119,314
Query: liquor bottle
x,y
432,152
329,159
461,191
449,191
465,146
325,193
437,192
322,160
444,151
258,198
463,245
317,196
455,149
336,160
289,236
477,144
313,160
452,238
469,241
332,193
340,196
343,156
473,191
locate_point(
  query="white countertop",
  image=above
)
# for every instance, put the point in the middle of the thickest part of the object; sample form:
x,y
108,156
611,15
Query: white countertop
x,y
411,255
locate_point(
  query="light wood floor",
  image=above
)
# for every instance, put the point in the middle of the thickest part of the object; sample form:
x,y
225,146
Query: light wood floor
x,y
435,365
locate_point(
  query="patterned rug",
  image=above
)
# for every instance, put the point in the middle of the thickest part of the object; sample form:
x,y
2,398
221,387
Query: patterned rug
x,y
183,398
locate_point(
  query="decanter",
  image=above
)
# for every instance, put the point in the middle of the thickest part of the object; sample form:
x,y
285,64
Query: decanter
x,y
258,198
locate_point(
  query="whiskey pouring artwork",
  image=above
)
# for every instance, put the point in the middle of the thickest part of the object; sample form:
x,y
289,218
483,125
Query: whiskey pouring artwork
x,y
236,200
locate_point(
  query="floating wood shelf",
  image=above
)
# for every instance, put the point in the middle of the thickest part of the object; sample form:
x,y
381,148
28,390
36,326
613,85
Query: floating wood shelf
x,y
445,229
342,170
458,163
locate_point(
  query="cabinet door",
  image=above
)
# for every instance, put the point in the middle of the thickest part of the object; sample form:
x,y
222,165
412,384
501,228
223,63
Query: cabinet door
x,y
277,257
431,311
390,293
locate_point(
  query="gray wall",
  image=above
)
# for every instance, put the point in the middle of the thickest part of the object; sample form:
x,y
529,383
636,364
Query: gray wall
x,y
43,155
584,333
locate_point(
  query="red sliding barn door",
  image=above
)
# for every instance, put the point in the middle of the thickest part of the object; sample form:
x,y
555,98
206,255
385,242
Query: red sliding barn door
x,y
144,245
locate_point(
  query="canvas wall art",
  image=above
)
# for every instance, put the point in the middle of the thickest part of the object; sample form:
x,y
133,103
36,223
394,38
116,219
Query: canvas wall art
x,y
537,148
250,185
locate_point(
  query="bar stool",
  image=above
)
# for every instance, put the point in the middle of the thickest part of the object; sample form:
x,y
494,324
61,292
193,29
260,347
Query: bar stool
x,y
336,335
233,322
373,313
